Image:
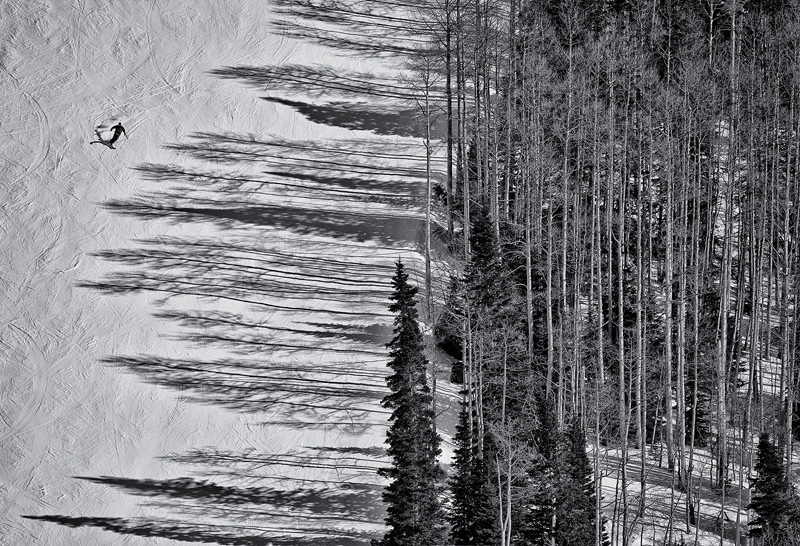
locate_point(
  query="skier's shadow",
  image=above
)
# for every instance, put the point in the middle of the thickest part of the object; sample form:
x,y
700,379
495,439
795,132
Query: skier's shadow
x,y
108,142
105,142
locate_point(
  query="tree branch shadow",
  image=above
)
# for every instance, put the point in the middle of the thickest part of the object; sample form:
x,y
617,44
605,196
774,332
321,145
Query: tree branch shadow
x,y
385,120
318,81
231,535
347,502
345,510
368,28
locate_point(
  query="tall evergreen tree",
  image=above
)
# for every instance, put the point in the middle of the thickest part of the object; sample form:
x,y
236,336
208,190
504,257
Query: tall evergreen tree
x,y
472,514
415,514
575,509
772,499
536,525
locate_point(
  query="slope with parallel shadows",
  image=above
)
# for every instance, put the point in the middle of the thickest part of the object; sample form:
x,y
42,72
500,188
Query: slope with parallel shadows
x,y
306,249
268,261
283,315
385,101
66,66
359,101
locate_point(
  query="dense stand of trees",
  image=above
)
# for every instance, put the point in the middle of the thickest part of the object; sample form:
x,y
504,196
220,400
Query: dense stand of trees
x,y
622,211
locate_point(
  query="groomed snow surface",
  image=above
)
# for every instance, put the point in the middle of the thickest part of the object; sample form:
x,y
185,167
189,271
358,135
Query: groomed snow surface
x,y
192,325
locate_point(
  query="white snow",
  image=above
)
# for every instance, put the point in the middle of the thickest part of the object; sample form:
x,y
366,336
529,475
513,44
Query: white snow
x,y
192,326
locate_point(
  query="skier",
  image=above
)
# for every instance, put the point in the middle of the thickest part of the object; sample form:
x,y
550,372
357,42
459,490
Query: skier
x,y
117,130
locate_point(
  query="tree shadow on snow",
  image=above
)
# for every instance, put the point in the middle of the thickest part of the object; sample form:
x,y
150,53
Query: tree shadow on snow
x,y
662,507
300,220
338,509
351,100
363,117
352,503
291,257
307,396
350,467
318,82
390,170
366,27
232,535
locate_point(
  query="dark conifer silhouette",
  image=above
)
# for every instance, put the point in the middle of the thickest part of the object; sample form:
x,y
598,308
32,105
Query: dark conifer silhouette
x,y
415,514
772,498
575,509
472,514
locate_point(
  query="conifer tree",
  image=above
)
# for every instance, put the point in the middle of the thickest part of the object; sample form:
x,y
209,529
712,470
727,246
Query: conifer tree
x,y
772,499
472,515
415,514
575,511
536,527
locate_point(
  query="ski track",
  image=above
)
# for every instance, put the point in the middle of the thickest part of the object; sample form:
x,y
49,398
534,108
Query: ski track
x,y
193,325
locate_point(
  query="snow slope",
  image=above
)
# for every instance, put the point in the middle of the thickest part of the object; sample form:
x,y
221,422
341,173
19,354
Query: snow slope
x,y
192,326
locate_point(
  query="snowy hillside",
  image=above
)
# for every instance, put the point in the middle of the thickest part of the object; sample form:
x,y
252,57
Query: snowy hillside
x,y
193,324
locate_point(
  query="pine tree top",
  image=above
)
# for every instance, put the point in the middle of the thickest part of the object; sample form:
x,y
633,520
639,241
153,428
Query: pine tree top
x,y
404,295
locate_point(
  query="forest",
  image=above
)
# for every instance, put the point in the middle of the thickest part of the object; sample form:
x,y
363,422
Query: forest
x,y
620,224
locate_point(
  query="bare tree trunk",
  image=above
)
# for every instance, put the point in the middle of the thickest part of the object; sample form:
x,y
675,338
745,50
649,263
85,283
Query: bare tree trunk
x,y
681,340
620,274
725,280
668,303
451,184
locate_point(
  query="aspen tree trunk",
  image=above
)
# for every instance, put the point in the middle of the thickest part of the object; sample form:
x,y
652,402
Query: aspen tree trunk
x,y
650,244
791,265
623,407
476,97
448,62
549,295
510,103
620,274
681,340
596,302
725,280
490,127
754,354
578,364
668,284
597,198
527,183
563,303
428,197
787,359
578,374
462,126
640,369
756,255
696,257
598,492
504,513
466,336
